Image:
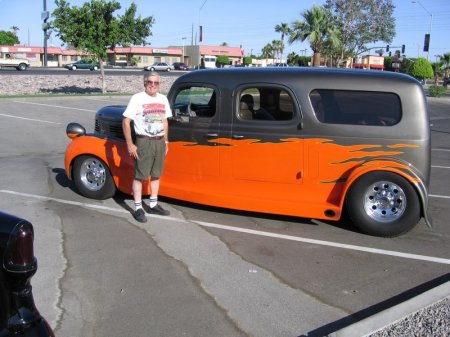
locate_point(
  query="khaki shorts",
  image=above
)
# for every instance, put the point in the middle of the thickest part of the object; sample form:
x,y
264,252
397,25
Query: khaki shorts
x,y
152,154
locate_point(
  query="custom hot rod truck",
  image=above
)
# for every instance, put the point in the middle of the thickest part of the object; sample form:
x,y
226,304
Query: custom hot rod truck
x,y
307,142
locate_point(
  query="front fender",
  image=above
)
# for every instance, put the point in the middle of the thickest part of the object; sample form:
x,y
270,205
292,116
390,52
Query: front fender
x,y
112,151
407,171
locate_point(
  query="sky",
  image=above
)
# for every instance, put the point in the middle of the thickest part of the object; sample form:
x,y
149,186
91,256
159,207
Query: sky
x,y
248,24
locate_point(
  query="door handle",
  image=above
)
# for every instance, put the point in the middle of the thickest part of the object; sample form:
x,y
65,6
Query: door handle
x,y
238,136
211,135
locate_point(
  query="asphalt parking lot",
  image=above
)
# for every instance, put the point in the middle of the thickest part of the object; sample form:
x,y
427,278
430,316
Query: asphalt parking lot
x,y
202,271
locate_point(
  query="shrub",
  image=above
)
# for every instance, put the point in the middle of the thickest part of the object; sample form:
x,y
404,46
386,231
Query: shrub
x,y
223,60
421,69
247,60
436,91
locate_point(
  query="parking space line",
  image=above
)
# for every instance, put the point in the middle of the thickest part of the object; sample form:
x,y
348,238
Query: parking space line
x,y
108,100
329,243
55,106
30,119
438,196
443,167
249,231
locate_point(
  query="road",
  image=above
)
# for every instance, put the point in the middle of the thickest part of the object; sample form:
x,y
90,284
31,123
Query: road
x,y
202,271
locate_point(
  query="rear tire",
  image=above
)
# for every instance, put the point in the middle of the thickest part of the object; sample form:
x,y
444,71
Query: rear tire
x,y
92,178
383,204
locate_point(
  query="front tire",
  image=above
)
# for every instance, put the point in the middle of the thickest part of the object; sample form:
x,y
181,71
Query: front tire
x,y
92,178
22,67
383,204
74,68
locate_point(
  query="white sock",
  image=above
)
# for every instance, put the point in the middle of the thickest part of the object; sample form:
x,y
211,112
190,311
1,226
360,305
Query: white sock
x,y
137,205
153,202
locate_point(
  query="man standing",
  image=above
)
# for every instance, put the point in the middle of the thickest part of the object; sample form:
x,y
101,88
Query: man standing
x,y
149,111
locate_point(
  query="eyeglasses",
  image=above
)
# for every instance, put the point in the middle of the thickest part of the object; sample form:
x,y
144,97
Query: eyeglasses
x,y
151,83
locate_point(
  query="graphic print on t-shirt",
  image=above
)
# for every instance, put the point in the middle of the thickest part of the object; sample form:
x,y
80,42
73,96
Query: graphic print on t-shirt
x,y
153,116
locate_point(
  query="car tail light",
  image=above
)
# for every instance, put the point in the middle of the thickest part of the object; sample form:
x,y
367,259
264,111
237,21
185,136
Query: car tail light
x,y
19,256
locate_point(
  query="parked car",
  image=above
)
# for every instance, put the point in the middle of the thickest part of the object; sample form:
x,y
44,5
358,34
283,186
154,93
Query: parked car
x,y
82,64
180,66
18,313
159,66
304,142
8,60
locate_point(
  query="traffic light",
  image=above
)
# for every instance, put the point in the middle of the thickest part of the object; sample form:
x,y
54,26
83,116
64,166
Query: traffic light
x,y
387,48
403,48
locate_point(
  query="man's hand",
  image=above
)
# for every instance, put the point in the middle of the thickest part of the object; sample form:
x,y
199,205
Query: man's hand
x,y
132,150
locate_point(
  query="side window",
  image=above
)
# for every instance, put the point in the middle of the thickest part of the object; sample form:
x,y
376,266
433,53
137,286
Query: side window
x,y
265,103
356,107
195,102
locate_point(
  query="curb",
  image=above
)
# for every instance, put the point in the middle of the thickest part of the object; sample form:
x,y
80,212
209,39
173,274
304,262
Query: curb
x,y
390,316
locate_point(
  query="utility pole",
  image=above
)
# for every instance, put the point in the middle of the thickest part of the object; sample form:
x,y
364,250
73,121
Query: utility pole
x,y
44,17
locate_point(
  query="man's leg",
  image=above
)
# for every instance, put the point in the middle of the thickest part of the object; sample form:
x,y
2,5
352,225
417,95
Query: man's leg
x,y
154,207
139,213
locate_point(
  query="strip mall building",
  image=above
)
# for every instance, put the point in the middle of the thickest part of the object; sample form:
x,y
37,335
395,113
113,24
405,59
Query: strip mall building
x,y
121,56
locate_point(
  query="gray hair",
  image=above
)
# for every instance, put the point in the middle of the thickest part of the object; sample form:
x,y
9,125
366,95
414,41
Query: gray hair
x,y
149,74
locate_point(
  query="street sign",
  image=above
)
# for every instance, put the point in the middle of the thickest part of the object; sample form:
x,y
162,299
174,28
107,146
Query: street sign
x,y
45,15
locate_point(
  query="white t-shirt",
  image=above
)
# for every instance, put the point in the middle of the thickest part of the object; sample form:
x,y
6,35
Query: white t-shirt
x,y
148,113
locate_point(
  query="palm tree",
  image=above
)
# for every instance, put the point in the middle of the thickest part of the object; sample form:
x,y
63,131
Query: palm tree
x,y
14,29
277,47
267,51
284,29
318,28
446,60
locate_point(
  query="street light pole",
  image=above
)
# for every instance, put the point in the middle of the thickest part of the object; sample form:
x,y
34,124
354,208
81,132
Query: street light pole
x,y
431,23
182,39
44,16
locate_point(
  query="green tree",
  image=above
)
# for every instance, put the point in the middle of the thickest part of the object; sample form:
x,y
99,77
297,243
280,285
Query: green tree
x,y
8,38
247,60
223,60
360,23
318,28
421,69
94,29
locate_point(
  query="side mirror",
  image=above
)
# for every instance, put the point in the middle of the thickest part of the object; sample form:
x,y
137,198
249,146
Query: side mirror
x,y
75,130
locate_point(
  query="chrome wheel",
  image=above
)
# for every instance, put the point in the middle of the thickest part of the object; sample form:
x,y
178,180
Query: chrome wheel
x,y
385,201
93,174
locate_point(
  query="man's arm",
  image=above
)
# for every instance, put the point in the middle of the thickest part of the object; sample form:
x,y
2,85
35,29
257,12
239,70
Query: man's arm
x,y
126,126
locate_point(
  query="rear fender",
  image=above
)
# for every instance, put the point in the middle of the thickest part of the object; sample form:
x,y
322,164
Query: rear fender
x,y
399,167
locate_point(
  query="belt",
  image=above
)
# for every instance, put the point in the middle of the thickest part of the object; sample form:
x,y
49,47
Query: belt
x,y
148,137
